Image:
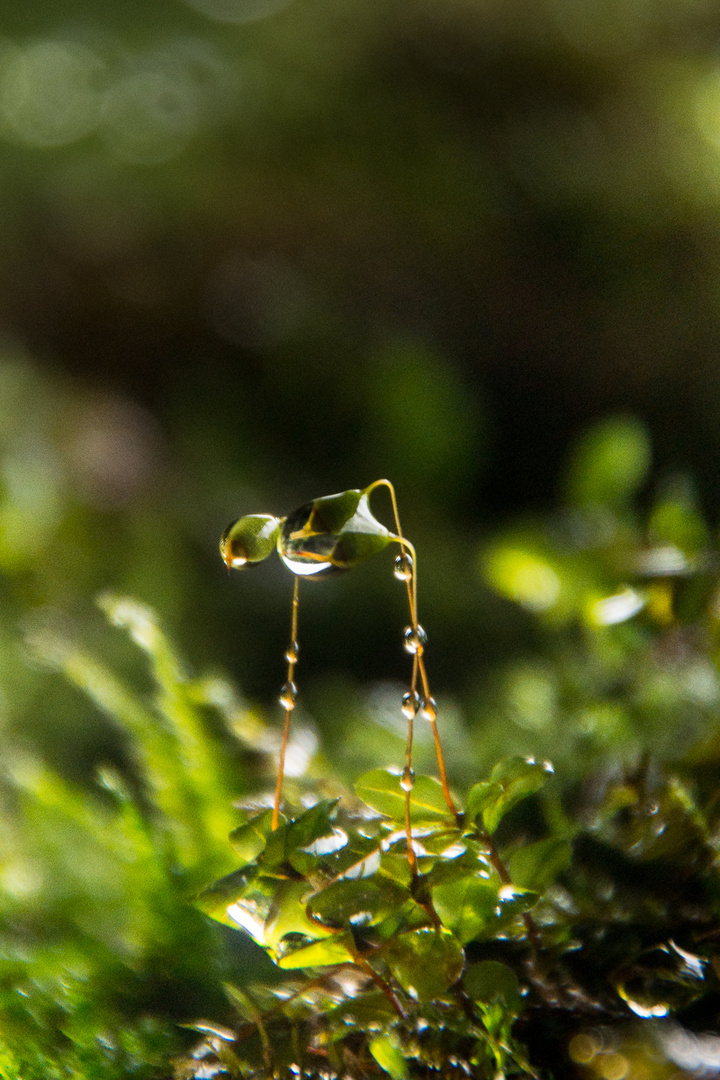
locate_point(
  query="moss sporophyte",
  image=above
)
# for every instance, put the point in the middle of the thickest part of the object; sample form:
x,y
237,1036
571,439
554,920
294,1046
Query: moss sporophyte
x,y
328,535
371,904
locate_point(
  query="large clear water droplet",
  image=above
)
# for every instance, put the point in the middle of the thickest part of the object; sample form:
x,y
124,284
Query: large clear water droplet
x,y
663,979
414,639
288,696
330,534
410,705
403,567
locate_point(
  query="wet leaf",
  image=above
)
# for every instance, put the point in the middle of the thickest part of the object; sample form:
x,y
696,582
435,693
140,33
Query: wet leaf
x,y
249,540
426,962
663,979
514,901
363,902
216,899
249,840
369,1010
387,1053
394,865
489,981
288,914
381,790
299,833
537,865
467,905
512,780
338,949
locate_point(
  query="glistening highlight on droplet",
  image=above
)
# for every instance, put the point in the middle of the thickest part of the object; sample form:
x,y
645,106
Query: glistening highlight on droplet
x,y
328,535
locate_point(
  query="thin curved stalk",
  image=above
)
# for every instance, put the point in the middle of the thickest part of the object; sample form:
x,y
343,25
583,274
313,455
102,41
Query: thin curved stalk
x,y
287,698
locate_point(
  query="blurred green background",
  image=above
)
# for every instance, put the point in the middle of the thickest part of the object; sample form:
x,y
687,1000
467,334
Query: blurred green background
x,y
257,251
254,252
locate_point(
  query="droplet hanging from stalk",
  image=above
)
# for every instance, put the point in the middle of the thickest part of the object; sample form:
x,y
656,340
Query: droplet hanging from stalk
x,y
331,534
249,540
328,535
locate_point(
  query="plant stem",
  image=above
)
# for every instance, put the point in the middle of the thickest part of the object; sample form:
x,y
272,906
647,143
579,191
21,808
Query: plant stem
x,y
292,658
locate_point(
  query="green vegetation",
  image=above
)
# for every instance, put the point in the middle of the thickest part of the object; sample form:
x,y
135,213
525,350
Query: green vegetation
x,y
260,251
560,920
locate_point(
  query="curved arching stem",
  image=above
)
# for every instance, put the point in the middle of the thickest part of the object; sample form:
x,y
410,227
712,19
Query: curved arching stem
x,y
287,699
418,671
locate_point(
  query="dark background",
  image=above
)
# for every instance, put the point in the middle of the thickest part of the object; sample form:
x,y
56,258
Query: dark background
x,y
252,253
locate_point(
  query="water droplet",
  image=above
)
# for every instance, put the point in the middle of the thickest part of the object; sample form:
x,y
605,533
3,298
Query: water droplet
x,y
288,696
429,709
292,653
414,639
407,780
410,705
403,567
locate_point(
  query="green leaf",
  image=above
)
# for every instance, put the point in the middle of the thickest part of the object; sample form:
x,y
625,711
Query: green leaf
x,y
610,462
331,513
249,839
465,906
514,901
369,1010
426,962
300,833
381,790
364,901
387,1053
394,865
537,865
489,981
216,898
288,914
338,949
512,780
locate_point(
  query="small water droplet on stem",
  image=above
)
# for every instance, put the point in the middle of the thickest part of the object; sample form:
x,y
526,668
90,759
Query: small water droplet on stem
x,y
429,709
410,705
407,780
403,567
292,653
288,696
414,639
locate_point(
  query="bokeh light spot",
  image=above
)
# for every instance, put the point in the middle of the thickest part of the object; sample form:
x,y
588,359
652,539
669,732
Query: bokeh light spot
x,y
524,577
584,1047
237,11
532,697
613,1066
707,109
605,28
50,92
617,608
151,114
